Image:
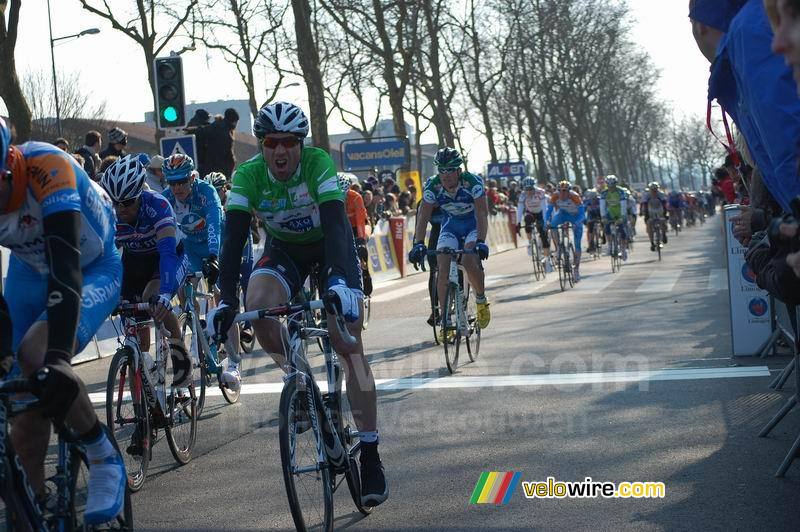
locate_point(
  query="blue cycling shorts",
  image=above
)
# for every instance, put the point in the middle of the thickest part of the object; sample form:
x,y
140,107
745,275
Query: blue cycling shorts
x,y
26,294
457,232
562,217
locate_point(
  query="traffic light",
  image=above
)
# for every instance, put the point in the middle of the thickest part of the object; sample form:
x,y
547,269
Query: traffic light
x,y
170,101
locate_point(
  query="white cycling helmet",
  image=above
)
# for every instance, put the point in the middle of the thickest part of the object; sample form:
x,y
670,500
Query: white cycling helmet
x,y
528,182
124,179
344,182
281,117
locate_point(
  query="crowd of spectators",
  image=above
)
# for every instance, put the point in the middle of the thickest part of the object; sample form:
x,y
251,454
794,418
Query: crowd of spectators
x,y
754,50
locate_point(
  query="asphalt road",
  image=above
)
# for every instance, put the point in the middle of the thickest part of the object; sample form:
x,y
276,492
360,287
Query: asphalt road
x,y
558,391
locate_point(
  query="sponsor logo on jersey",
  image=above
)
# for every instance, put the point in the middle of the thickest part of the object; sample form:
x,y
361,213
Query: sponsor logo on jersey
x,y
26,221
298,225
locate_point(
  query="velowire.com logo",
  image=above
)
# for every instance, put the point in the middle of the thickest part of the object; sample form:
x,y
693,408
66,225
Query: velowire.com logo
x,y
495,487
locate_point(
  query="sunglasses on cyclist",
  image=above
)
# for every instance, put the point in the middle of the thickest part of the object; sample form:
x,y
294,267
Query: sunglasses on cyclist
x,y
178,182
286,142
125,204
447,170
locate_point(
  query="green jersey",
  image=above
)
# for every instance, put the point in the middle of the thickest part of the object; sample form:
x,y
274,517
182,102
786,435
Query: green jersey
x,y
289,210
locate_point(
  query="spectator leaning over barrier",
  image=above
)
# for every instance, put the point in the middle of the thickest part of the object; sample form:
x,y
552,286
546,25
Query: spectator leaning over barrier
x,y
117,140
91,146
755,87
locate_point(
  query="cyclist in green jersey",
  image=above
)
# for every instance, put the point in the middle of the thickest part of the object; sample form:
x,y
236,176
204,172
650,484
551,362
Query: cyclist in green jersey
x,y
295,191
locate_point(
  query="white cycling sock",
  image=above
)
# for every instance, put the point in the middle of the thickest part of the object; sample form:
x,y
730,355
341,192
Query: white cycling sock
x,y
99,448
370,436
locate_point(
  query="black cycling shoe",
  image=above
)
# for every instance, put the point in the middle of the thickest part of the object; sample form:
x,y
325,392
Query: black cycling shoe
x,y
433,318
374,489
652,247
664,239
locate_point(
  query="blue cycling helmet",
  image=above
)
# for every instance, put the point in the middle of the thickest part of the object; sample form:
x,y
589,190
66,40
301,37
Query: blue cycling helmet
x,y
5,143
177,166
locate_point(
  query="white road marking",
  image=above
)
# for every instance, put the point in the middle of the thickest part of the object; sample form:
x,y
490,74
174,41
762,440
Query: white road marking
x,y
504,381
717,279
660,281
596,282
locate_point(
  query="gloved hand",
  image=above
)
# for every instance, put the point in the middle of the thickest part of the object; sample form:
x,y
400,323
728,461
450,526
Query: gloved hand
x,y
211,270
56,386
219,320
482,249
518,228
347,298
160,306
417,253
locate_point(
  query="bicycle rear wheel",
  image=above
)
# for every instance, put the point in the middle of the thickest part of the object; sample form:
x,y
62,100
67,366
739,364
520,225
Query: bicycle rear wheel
x,y
181,417
199,367
306,473
449,322
473,338
127,416
78,492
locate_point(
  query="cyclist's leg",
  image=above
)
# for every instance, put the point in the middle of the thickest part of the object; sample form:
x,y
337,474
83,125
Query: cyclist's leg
x,y
577,231
543,233
100,294
528,220
275,279
446,239
649,227
473,266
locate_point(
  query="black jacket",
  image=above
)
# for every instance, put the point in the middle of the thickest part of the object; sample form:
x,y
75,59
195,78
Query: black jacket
x,y
215,149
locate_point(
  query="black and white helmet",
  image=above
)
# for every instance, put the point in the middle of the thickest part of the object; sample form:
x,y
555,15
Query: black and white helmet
x,y
281,117
124,179
117,136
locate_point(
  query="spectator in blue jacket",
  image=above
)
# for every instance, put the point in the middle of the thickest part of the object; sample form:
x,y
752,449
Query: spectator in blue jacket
x,y
753,85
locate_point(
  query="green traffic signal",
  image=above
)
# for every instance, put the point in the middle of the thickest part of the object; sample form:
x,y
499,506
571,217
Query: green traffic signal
x,y
170,114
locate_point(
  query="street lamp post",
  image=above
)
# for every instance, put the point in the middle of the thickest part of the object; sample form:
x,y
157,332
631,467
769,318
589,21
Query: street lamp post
x,y
90,31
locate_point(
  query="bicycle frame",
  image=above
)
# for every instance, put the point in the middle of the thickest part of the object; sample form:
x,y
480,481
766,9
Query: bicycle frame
x,y
23,503
199,336
143,380
461,282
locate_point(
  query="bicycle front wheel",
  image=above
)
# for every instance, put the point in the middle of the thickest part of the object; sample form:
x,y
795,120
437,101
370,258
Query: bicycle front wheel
x,y
560,266
473,338
199,367
181,415
536,257
450,337
127,416
306,473
78,492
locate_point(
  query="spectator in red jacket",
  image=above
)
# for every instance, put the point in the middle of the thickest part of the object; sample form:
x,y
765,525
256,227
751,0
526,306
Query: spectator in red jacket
x,y
725,184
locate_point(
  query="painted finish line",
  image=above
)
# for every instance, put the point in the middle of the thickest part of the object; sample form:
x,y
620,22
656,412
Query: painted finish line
x,y
502,381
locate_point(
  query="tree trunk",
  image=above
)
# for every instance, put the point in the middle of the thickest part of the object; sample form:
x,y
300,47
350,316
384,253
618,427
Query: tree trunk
x,y
309,62
10,91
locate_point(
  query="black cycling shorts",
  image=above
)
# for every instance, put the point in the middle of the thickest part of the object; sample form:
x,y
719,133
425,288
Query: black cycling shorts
x,y
292,263
137,271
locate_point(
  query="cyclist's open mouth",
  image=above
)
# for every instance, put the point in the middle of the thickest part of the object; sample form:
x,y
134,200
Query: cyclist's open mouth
x,y
281,163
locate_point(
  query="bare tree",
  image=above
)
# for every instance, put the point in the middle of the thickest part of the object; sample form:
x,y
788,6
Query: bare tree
x,y
10,89
308,57
75,102
389,32
247,33
142,28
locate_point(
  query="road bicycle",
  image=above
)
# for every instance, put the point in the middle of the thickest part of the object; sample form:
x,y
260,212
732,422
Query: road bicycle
x,y
204,354
536,253
565,255
616,247
459,319
657,236
64,508
319,442
675,221
139,402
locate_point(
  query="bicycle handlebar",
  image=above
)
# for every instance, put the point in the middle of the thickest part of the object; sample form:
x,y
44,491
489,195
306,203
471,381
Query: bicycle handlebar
x,y
445,251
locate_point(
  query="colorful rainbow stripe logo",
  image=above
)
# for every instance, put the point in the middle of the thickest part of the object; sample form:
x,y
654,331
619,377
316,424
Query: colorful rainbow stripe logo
x,y
495,487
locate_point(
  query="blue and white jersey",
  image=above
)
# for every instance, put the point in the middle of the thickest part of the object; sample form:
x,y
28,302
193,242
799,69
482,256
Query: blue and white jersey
x,y
461,204
46,180
155,213
200,218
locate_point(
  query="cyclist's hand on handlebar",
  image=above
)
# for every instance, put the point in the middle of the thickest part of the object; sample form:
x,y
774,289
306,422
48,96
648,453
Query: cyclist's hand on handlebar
x,y
211,270
160,306
482,249
417,254
345,303
219,320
